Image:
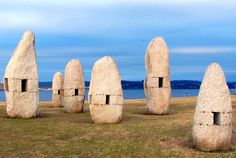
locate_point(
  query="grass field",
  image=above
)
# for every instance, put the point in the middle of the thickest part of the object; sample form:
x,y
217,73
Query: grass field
x,y
58,134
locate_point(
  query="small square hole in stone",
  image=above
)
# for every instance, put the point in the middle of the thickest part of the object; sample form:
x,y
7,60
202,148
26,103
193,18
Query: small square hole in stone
x,y
76,92
216,118
107,99
160,82
24,85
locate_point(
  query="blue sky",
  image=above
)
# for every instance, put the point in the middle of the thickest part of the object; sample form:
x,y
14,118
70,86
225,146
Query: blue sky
x,y
198,32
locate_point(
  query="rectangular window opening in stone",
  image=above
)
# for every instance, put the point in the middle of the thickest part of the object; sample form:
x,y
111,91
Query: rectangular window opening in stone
x,y
24,85
216,118
6,84
76,92
90,99
107,99
160,82
59,92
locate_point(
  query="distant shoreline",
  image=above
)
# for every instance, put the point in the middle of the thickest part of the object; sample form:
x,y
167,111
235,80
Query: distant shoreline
x,y
138,85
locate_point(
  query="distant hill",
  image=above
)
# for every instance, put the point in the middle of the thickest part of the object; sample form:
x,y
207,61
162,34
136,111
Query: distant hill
x,y
176,84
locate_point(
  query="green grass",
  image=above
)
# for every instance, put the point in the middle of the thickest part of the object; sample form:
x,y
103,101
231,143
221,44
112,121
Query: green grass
x,y
58,134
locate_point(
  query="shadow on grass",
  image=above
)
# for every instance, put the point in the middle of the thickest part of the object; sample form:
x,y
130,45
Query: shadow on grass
x,y
170,112
40,116
83,121
189,144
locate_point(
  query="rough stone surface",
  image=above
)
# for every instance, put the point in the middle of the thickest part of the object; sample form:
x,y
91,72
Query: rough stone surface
x,y
57,89
157,67
22,66
105,81
214,97
73,81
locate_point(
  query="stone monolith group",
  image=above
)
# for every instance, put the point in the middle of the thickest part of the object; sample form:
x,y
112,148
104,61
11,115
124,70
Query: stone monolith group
x,y
57,89
157,83
105,92
21,80
74,87
212,127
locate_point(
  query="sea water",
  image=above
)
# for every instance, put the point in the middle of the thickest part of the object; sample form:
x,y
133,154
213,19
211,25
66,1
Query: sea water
x,y
46,95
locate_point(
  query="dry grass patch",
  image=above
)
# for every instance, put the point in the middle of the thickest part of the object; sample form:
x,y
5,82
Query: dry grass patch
x,y
59,134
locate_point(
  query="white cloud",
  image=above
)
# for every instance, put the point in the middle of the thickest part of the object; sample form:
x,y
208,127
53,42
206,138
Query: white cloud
x,y
93,17
91,29
110,2
188,69
71,51
58,52
14,19
203,50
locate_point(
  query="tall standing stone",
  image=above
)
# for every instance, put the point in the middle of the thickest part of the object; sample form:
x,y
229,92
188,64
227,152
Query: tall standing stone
x,y
157,83
21,80
57,89
212,126
105,92
74,87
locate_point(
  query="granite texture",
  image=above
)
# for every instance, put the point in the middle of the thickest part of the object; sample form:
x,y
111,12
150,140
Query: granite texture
x,y
57,89
73,80
105,81
22,66
213,133
157,69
